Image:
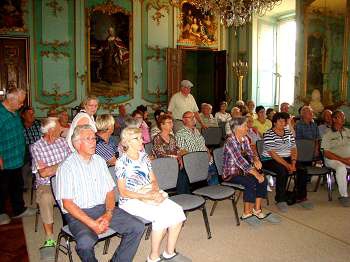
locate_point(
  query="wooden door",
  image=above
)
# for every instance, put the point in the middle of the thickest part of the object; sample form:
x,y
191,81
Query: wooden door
x,y
174,70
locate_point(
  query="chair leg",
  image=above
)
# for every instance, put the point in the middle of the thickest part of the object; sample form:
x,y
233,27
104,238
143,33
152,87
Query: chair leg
x,y
32,191
238,196
206,221
148,232
106,246
317,184
213,208
58,244
69,250
329,186
234,206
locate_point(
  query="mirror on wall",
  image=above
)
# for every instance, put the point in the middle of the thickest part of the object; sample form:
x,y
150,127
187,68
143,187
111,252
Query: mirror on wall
x,y
326,45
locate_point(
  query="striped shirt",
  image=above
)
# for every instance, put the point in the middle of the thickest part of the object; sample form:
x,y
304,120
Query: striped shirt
x,y
190,140
84,182
281,145
33,133
134,172
12,143
106,150
49,154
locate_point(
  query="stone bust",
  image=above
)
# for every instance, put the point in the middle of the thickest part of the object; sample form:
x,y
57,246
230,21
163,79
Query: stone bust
x,y
315,102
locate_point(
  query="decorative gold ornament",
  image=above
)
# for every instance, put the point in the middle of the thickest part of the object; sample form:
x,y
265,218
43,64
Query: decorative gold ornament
x,y
109,8
159,6
55,94
56,8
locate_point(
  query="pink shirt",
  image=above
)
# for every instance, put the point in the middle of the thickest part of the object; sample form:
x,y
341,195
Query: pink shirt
x,y
145,132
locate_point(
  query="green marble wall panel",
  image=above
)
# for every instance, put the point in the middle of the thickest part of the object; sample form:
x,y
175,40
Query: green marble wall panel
x,y
54,44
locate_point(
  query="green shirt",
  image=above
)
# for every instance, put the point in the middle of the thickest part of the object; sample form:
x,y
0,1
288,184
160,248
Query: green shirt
x,y
12,143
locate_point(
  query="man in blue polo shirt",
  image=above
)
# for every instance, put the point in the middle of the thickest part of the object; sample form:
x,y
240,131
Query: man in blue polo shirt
x,y
12,148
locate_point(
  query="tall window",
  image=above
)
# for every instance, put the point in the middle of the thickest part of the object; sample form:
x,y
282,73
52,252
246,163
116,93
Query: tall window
x,y
275,62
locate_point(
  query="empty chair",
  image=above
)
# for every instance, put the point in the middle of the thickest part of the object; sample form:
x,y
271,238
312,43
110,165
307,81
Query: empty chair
x,y
166,170
306,149
196,166
212,136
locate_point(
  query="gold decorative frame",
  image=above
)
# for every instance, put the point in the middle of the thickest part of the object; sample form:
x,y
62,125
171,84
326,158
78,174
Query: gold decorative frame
x,y
196,29
113,90
13,16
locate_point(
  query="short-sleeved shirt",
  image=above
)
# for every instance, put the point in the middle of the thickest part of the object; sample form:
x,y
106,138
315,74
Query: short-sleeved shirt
x,y
238,157
281,145
337,142
161,148
190,140
49,154
106,150
304,130
222,117
12,142
33,133
136,173
262,128
209,121
180,104
85,182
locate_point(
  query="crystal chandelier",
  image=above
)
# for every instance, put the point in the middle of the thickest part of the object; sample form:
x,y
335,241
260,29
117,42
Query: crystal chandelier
x,y
233,12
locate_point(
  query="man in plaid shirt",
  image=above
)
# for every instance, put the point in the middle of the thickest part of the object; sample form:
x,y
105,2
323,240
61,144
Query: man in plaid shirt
x,y
47,153
12,147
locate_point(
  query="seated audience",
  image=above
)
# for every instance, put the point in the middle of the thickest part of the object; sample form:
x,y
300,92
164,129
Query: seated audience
x,y
327,122
261,123
270,113
242,166
144,111
252,134
85,191
32,133
138,115
155,129
280,156
235,112
251,107
284,107
206,116
84,117
129,122
222,116
63,118
48,152
106,147
164,145
120,120
336,146
141,196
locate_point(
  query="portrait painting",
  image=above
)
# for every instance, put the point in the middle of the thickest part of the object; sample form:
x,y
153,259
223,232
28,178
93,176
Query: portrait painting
x,y
196,28
110,53
11,16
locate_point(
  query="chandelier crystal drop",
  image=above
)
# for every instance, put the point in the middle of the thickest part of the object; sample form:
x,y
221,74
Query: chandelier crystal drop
x,y
233,12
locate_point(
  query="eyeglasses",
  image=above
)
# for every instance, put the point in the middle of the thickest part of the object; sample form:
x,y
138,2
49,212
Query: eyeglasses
x,y
89,139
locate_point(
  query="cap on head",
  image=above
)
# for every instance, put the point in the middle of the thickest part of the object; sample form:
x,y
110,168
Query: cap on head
x,y
186,83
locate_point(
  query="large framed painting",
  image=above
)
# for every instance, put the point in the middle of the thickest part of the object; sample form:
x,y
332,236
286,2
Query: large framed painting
x,y
12,16
195,28
109,51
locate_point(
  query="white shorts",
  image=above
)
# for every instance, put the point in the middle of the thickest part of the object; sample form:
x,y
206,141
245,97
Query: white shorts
x,y
167,214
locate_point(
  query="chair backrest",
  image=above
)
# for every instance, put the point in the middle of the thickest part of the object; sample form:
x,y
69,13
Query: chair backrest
x,y
212,136
218,154
306,149
166,171
111,170
148,148
260,147
196,165
53,190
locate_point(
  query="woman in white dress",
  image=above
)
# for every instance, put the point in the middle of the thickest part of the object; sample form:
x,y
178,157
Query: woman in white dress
x,y
140,196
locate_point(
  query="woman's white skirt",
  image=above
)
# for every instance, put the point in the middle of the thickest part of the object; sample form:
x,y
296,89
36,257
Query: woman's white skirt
x,y
162,216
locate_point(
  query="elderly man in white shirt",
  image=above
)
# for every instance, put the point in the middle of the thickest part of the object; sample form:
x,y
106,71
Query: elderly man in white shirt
x,y
85,191
182,102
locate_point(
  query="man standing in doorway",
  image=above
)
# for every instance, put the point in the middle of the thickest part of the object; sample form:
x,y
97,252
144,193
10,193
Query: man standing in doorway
x,y
182,102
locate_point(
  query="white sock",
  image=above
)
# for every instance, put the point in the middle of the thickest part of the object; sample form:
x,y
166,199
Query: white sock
x,y
166,255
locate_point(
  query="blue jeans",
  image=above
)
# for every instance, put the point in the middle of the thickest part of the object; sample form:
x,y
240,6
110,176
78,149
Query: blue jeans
x,y
122,222
253,189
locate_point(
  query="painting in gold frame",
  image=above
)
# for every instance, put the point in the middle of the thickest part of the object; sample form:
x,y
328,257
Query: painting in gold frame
x,y
109,51
12,16
195,28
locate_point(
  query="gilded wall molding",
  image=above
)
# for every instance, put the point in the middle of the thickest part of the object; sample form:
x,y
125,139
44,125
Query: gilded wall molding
x,y
158,57
55,55
56,94
55,7
109,8
55,44
160,7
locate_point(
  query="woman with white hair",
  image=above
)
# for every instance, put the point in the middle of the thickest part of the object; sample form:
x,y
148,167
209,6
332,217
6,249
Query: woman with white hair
x,y
242,166
105,146
140,196
84,117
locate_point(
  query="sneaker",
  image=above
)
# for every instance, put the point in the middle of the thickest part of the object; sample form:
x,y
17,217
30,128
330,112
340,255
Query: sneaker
x,y
344,201
27,213
49,243
282,206
177,257
269,217
4,219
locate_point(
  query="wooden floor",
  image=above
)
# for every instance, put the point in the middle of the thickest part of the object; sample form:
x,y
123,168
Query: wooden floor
x,y
12,242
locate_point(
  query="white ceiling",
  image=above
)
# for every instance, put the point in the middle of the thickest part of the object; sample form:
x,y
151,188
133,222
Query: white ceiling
x,y
285,7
